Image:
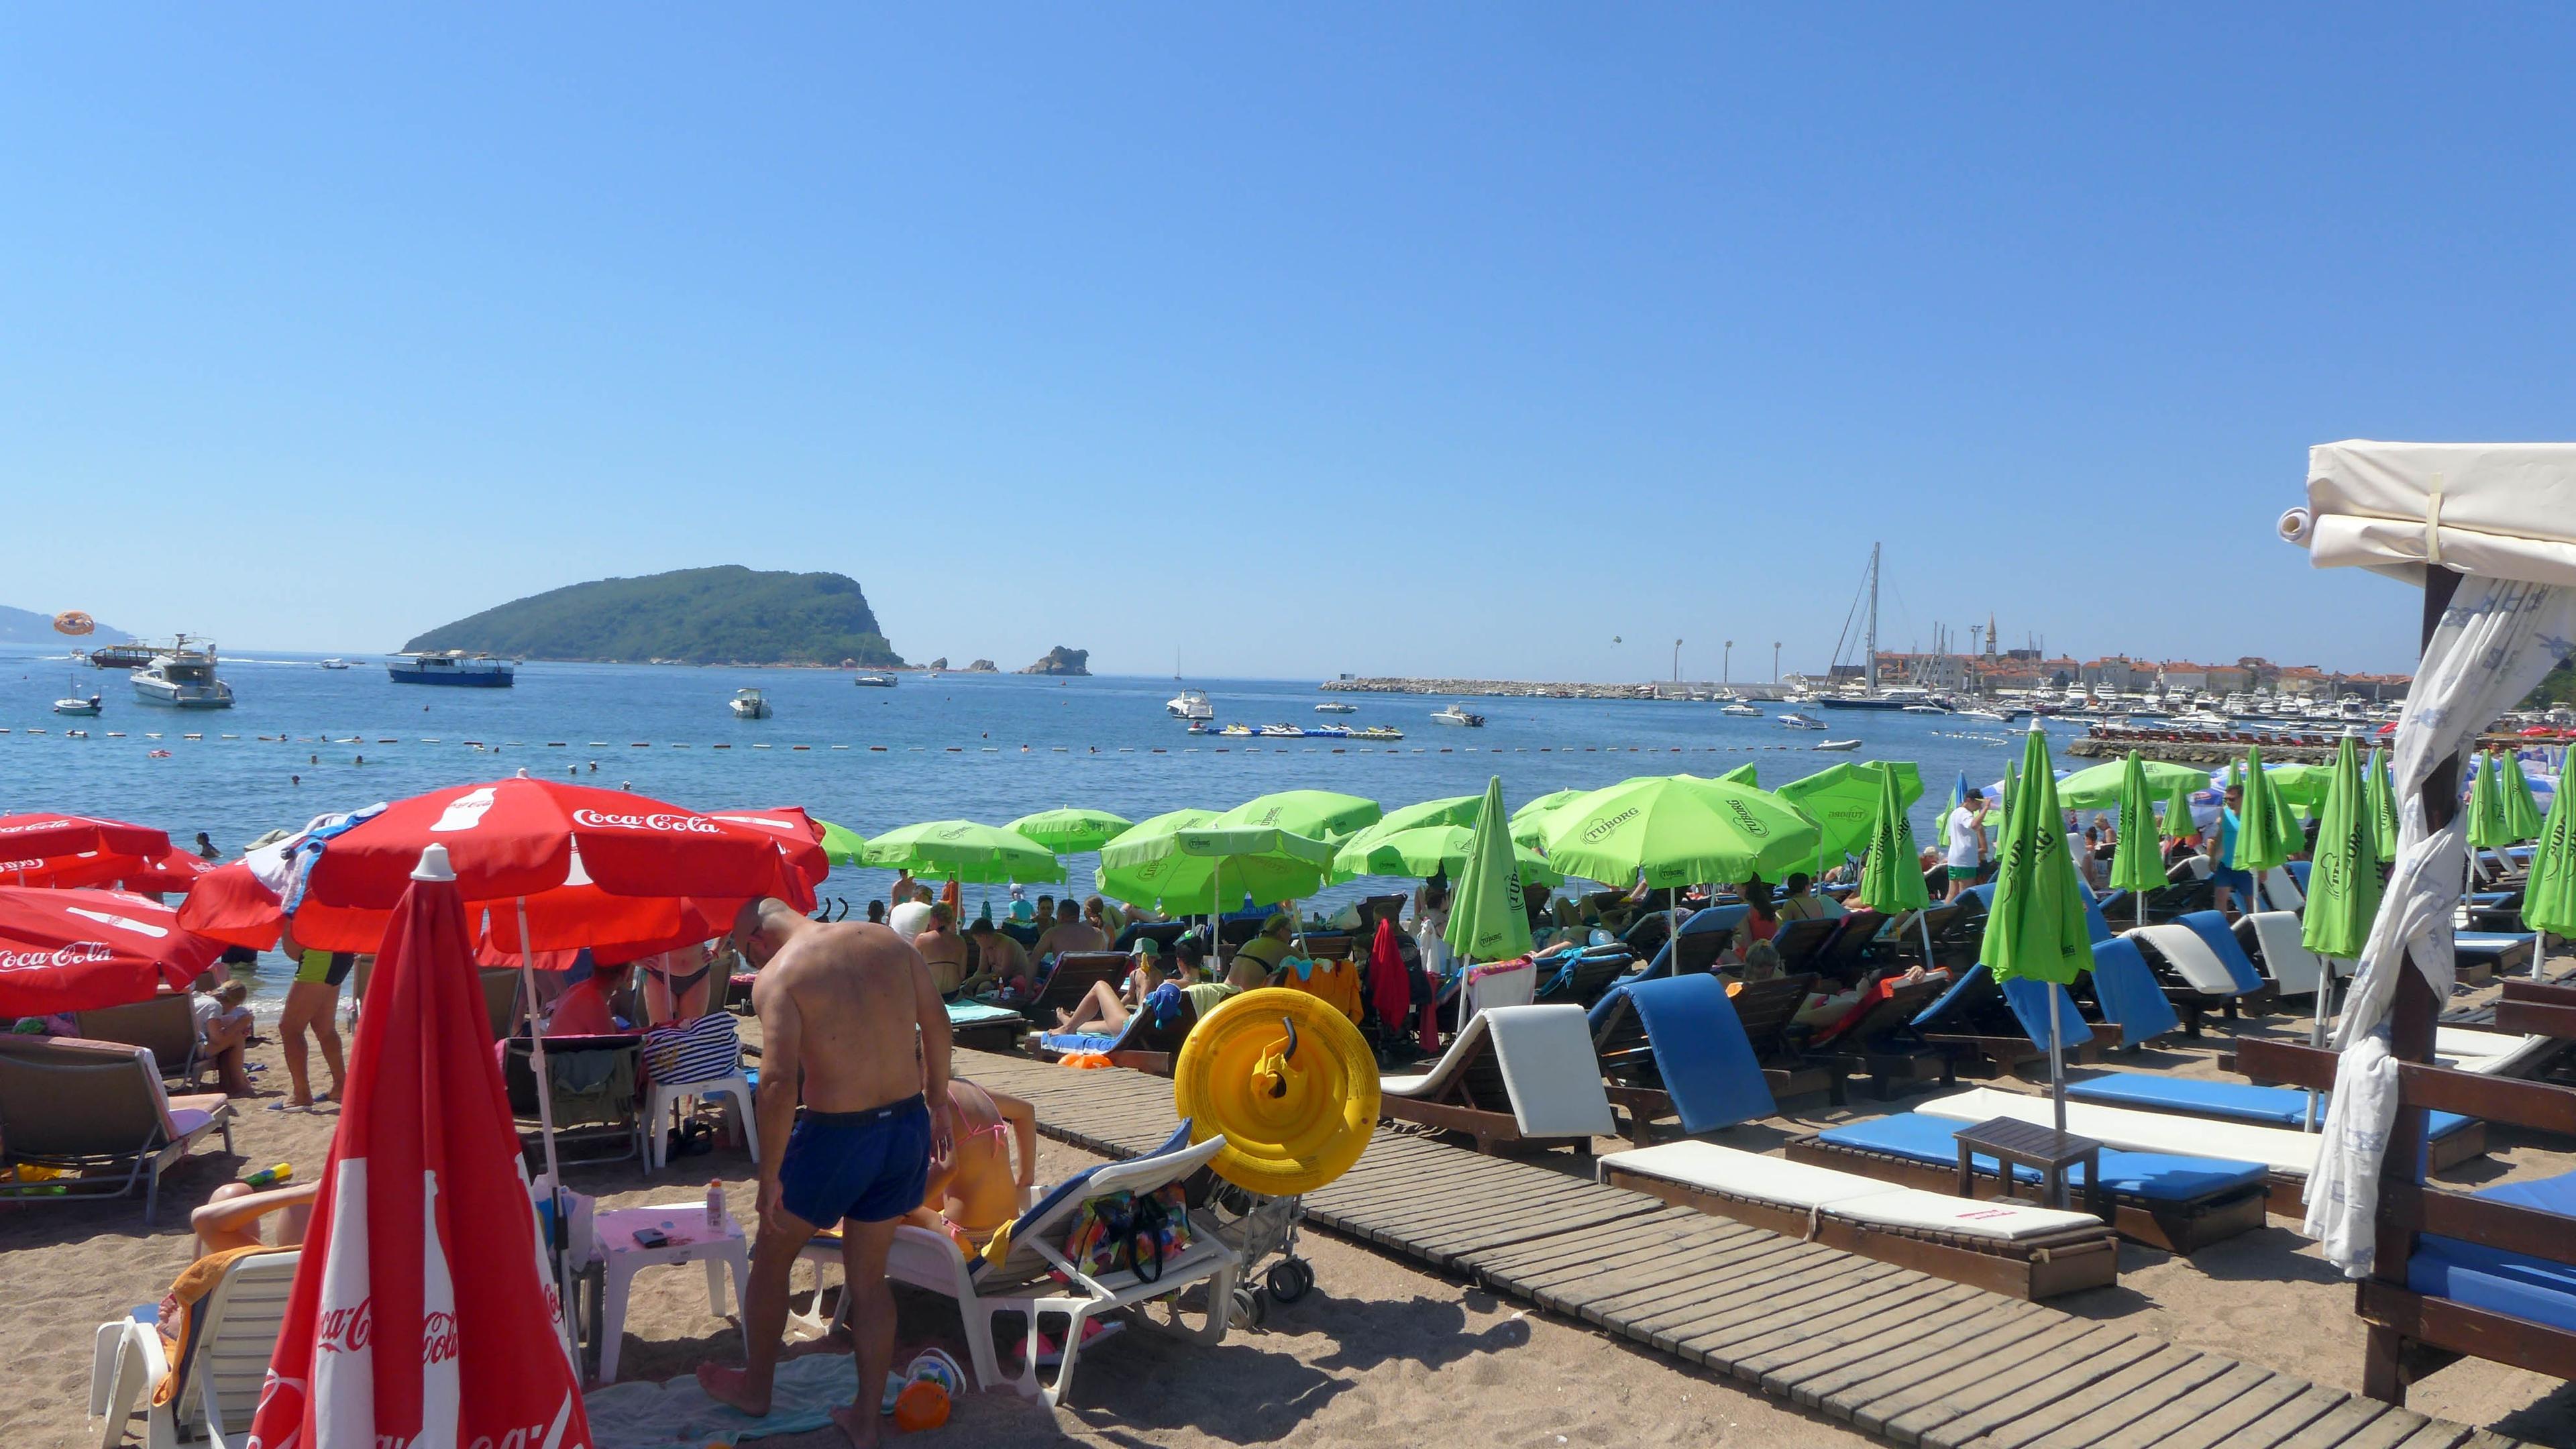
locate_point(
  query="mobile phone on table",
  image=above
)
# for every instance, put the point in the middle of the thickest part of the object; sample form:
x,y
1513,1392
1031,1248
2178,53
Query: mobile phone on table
x,y
652,1238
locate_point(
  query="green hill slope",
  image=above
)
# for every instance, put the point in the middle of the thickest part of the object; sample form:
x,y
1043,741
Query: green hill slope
x,y
724,615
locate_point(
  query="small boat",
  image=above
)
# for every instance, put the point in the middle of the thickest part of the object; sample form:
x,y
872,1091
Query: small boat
x,y
749,704
89,706
1190,704
1336,707
1280,732
1377,732
335,664
1796,721
1241,731
873,680
1739,709
1837,745
1925,709
454,668
1455,715
1995,715
1197,727
121,656
182,677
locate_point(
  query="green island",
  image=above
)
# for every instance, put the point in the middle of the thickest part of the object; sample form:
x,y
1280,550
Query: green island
x,y
723,615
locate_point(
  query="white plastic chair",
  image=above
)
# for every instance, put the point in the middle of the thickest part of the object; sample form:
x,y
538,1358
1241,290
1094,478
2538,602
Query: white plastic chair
x,y
664,1096
220,1385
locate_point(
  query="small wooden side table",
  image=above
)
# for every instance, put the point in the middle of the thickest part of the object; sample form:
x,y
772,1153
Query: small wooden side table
x,y
2015,1143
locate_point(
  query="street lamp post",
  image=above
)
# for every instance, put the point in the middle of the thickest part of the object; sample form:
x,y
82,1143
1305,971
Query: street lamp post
x,y
1677,661
1775,661
1726,670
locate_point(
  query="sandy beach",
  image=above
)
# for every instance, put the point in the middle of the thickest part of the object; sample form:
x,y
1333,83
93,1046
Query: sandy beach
x,y
1382,1352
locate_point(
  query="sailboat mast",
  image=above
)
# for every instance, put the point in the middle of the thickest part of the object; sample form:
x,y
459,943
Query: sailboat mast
x,y
1872,673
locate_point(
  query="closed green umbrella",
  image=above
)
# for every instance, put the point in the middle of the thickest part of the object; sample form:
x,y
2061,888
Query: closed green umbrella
x,y
2136,865
2037,927
841,845
1843,801
962,850
1891,875
1529,823
2343,886
1487,919
1676,831
1193,865
1454,810
2383,802
2266,836
1428,850
1070,831
2100,785
2521,811
2490,828
1321,814
2549,895
2178,822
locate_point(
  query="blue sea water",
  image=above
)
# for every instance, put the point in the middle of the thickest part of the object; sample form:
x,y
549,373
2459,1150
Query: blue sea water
x,y
303,740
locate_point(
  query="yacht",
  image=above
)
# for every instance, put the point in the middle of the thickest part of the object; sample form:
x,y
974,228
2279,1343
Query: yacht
x,y
1995,715
749,704
1456,715
1739,709
1795,721
183,677
1894,697
455,667
1190,704
76,705
1336,707
873,680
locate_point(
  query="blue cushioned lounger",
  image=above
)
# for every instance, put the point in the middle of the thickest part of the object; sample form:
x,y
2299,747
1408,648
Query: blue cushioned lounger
x,y
1700,1051
2028,1000
2491,1278
2212,927
1705,919
2150,1176
2093,920
2232,1101
2493,946
2129,993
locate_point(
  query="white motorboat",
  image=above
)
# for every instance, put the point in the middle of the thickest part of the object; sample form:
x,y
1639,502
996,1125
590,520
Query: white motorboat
x,y
1837,745
453,668
1995,715
1198,727
1190,704
1739,709
1336,707
183,677
1926,709
873,680
335,664
90,706
1795,721
1455,715
1280,732
749,704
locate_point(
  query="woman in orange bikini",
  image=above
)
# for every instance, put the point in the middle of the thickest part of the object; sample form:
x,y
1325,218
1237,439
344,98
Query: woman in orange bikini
x,y
974,1191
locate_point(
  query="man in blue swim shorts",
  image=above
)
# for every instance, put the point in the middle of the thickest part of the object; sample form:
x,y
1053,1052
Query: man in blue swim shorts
x,y
850,1010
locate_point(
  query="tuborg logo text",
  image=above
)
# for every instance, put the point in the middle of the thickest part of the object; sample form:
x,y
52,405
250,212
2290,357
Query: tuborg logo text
x,y
1599,830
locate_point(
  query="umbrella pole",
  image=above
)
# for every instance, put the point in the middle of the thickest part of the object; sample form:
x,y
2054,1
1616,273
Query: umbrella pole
x,y
2057,1075
1925,927
560,1236
2317,1032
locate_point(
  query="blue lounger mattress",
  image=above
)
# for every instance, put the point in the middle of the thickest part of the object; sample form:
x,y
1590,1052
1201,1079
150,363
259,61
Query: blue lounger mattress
x,y
2148,1176
2490,944
2233,1101
2491,1278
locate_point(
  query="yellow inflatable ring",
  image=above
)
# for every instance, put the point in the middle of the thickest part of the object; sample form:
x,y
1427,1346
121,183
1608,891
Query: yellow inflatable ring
x,y
1289,1081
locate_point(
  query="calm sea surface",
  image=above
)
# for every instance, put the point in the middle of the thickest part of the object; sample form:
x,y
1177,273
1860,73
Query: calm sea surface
x,y
981,747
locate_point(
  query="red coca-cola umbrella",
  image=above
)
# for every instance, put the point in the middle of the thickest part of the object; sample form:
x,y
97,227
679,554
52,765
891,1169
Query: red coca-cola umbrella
x,y
80,950
422,1311
175,872
73,850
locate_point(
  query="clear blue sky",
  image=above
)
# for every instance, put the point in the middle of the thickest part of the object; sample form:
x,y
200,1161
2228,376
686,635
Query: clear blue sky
x,y
1386,339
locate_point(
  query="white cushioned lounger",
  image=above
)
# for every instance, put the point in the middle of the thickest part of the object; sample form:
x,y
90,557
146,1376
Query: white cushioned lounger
x,y
2281,890
1807,1188
1548,1065
2297,969
2488,1053
2285,1152
2190,957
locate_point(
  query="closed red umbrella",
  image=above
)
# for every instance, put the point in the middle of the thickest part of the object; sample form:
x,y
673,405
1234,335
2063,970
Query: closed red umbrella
x,y
422,1312
176,872
39,836
80,950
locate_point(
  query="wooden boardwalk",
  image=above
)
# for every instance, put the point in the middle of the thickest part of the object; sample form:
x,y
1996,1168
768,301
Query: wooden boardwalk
x,y
1897,1353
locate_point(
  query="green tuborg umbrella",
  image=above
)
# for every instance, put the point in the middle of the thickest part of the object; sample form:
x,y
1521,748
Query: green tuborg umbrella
x,y
2178,822
2343,886
2266,836
1193,865
1843,801
1487,918
2549,896
2521,811
1678,830
1891,877
1429,850
1743,774
2037,928
2490,828
1321,814
1070,831
1454,810
2102,784
841,845
1529,823
962,850
2136,865
2383,803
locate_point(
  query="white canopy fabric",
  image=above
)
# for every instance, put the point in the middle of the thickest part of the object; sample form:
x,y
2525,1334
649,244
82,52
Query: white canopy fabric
x,y
2488,510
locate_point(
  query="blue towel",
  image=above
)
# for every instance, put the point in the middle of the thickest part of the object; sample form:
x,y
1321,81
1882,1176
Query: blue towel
x,y
1700,1049
2211,927
2126,987
2234,1101
2155,1176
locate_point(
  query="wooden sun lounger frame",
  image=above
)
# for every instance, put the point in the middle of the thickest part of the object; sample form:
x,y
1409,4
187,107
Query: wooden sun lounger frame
x,y
2178,1227
1144,1047
2027,1268
1851,1052
1478,1102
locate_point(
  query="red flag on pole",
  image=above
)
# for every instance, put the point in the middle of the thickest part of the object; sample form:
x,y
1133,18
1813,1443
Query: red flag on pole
x,y
422,1313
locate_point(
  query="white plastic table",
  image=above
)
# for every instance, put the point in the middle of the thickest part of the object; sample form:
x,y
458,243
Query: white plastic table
x,y
617,1257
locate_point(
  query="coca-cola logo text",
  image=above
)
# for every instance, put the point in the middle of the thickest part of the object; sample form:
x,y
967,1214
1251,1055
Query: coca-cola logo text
x,y
345,1330
680,824
32,826
438,1337
78,953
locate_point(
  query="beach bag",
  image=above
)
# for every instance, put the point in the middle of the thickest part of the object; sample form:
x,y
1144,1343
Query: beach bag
x,y
1123,1233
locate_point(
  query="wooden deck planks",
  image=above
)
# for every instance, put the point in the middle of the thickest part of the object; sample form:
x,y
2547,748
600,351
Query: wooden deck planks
x,y
1913,1358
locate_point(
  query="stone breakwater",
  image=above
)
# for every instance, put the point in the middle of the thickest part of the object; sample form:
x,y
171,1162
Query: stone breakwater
x,y
1525,689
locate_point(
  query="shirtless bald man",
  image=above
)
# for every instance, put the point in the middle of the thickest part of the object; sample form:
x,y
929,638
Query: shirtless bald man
x,y
840,1006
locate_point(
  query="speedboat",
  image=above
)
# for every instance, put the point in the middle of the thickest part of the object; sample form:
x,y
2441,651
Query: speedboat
x,y
1378,732
1190,704
1996,715
873,680
1197,727
1237,730
1739,709
1926,709
749,704
182,677
89,706
1336,707
1455,715
1280,732
1796,721
335,663
1837,745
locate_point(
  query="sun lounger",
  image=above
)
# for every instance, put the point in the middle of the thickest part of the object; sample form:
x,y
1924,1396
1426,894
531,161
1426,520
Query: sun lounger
x,y
2179,1203
1704,935
1799,940
2455,1139
2493,1053
2199,977
2503,952
1055,1296
1767,1011
166,1025
1989,1028
2271,940
1876,1038
2125,988
1519,1074
1674,1048
1858,937
2498,1279
2276,889
1070,981
1582,977
2012,1248
598,1111
1143,1042
222,1367
96,1112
